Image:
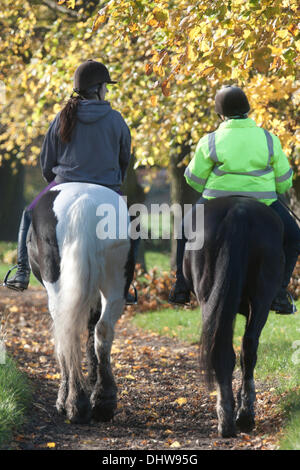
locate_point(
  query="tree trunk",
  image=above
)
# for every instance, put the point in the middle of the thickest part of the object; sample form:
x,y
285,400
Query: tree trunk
x,y
135,195
12,200
181,192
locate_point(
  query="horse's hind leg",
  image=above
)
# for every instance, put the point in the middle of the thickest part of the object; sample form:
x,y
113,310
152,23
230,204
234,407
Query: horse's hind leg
x,y
104,396
71,399
63,387
92,361
225,400
245,419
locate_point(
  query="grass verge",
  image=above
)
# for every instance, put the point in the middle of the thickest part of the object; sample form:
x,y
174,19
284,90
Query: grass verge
x,y
15,395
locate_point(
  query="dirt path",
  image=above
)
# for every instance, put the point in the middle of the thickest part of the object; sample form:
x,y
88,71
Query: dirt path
x,y
161,405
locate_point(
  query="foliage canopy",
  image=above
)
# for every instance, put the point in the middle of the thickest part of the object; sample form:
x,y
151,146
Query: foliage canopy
x,y
169,57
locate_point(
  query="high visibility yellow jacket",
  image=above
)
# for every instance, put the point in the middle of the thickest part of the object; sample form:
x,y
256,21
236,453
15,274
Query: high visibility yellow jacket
x,y
240,158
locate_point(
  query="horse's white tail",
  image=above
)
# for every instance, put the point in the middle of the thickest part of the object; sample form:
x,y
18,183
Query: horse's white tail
x,y
81,266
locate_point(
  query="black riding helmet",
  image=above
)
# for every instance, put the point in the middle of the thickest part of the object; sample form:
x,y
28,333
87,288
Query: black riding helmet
x,y
89,75
231,101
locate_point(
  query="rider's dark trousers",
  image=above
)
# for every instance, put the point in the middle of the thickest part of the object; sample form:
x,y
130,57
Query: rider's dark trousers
x,y
291,244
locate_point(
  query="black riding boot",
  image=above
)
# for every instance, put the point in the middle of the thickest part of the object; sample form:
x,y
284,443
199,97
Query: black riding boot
x,y
20,280
283,302
180,293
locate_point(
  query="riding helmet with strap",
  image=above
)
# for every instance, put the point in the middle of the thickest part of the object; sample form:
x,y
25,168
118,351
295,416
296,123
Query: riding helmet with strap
x,y
90,74
231,101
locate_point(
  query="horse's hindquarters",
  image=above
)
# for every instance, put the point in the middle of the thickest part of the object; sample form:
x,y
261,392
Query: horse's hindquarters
x,y
65,236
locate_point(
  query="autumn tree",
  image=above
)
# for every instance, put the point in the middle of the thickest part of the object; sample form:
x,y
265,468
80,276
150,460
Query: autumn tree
x,y
169,58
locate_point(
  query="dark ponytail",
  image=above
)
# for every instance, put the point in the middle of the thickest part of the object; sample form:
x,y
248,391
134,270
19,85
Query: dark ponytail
x,y
68,117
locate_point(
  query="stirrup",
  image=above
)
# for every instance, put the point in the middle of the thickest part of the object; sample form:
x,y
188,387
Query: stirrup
x,y
11,286
185,301
6,277
292,304
135,298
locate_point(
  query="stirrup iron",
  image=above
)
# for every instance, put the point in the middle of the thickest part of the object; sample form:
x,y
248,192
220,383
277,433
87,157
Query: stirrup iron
x,y
135,297
6,278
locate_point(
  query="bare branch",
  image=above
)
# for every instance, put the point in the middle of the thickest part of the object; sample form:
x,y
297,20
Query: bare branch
x,y
60,8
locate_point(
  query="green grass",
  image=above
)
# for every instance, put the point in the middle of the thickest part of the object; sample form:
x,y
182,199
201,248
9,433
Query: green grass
x,y
278,354
158,260
5,267
15,395
177,323
6,247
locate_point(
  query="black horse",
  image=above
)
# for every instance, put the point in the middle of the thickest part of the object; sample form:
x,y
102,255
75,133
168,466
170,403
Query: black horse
x,y
238,270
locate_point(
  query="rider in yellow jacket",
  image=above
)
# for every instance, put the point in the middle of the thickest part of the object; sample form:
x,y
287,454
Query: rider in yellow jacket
x,y
240,158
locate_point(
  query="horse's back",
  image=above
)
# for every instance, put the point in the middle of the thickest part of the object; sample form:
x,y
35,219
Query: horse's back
x,y
242,226
69,214
70,192
261,219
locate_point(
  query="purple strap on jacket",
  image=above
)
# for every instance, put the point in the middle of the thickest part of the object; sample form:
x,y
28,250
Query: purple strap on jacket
x,y
45,190
38,197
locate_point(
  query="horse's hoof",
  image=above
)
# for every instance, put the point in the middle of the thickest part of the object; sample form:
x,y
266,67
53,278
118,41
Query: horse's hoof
x,y
245,420
77,417
79,411
103,409
60,408
103,413
227,431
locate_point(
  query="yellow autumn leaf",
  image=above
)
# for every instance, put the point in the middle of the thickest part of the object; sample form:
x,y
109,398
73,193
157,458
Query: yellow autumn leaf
x,y
207,71
71,3
194,32
13,309
192,54
282,33
129,377
181,401
175,444
100,19
53,376
247,33
51,445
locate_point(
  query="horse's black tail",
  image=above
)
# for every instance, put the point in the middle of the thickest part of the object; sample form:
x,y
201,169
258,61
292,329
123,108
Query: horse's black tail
x,y
225,286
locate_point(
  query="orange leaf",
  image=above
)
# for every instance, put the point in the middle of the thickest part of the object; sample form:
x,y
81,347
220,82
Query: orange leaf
x,y
166,88
99,20
149,69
